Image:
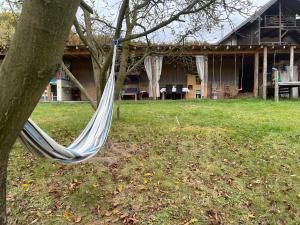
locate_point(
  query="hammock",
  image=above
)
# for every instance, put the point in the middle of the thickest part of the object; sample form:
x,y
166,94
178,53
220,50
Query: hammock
x,y
88,143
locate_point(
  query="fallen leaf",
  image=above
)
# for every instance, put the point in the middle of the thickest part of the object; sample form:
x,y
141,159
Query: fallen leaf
x,y
68,216
25,186
251,215
193,220
78,219
33,222
148,175
120,188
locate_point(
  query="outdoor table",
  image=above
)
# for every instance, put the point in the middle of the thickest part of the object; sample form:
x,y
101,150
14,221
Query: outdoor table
x,y
163,91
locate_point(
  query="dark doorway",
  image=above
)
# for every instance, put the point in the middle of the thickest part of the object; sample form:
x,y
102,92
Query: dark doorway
x,y
246,75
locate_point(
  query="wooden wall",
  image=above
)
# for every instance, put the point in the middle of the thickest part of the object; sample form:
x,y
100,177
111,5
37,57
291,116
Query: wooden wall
x,y
176,73
228,74
82,69
172,73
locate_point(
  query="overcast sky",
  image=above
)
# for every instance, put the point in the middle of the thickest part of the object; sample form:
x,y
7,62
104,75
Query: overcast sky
x,y
214,36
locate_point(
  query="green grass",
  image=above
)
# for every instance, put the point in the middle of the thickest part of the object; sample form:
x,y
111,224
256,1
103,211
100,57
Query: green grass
x,y
197,162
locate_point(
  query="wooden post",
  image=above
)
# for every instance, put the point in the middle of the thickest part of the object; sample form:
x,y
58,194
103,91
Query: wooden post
x,y
205,77
292,68
49,96
265,73
280,21
276,94
256,71
119,106
292,63
154,77
259,29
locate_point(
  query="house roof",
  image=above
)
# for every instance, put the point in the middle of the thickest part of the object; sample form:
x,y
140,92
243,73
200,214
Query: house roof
x,y
251,19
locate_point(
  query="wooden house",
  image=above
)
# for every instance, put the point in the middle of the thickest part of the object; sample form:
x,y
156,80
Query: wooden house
x,y
242,64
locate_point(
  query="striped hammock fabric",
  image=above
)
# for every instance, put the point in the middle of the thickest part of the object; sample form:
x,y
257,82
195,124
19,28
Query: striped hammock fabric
x,y
88,143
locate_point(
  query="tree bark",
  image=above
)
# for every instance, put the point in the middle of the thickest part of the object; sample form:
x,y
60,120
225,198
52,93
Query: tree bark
x,y
3,176
98,56
97,79
123,68
33,57
108,58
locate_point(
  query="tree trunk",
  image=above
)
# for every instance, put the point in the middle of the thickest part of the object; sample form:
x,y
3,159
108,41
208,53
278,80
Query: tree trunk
x,y
33,57
123,69
97,79
3,175
97,58
108,58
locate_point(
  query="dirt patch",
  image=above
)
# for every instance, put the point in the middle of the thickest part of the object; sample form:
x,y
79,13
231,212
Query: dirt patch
x,y
112,153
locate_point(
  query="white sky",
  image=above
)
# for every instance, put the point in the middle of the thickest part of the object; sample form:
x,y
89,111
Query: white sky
x,y
211,37
214,36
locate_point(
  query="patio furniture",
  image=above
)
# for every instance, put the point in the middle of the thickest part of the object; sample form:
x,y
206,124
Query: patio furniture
x,y
163,91
143,95
169,91
179,90
198,93
131,92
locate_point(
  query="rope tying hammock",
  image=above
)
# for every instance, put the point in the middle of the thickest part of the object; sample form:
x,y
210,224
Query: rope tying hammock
x,y
90,140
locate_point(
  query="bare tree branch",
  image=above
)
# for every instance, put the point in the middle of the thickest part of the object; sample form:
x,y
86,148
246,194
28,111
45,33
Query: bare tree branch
x,y
86,7
175,17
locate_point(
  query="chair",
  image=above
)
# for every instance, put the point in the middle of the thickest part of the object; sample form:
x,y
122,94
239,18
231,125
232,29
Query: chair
x,y
227,91
179,90
169,91
198,94
131,92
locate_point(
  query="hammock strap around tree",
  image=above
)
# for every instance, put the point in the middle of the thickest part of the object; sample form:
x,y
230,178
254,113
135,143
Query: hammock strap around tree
x,y
89,141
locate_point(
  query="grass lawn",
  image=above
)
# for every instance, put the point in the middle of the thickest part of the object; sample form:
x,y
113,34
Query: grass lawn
x,y
194,162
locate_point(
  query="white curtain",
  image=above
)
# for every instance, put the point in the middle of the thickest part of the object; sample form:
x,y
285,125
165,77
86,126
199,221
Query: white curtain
x,y
158,66
200,59
148,67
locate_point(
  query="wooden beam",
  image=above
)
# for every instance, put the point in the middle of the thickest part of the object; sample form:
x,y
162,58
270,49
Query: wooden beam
x,y
205,78
256,71
280,22
153,78
292,57
259,29
276,94
49,94
265,73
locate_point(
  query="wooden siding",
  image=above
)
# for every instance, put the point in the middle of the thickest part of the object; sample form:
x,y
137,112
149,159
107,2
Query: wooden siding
x,y
82,70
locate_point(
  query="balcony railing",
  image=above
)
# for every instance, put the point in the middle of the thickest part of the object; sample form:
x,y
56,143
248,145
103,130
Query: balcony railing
x,y
286,21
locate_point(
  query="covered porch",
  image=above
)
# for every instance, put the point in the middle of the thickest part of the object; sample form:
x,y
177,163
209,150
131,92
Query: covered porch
x,y
194,72
200,72
217,72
